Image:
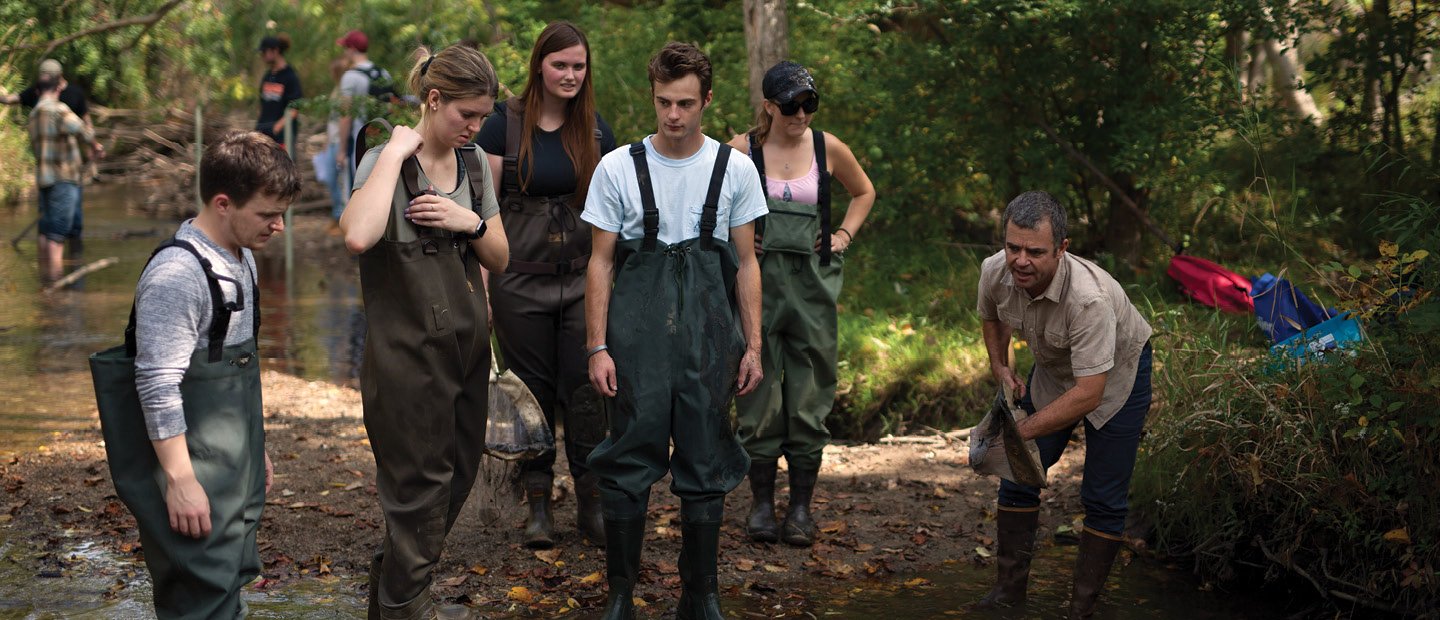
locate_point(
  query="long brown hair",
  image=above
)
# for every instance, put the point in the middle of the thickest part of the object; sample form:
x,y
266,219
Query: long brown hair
x,y
578,132
763,120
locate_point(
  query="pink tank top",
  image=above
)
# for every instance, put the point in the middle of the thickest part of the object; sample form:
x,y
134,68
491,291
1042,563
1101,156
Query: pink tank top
x,y
804,190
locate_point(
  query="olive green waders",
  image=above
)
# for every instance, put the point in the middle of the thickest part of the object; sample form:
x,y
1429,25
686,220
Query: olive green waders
x,y
424,385
225,436
538,307
674,334
785,415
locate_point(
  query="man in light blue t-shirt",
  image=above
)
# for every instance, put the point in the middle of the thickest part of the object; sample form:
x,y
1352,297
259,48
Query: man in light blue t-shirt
x,y
667,296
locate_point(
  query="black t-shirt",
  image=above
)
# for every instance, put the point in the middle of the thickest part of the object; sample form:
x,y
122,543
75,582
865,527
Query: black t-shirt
x,y
71,95
277,90
554,175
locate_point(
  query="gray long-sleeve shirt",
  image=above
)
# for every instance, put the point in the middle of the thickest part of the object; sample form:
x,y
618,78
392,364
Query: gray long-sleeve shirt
x,y
172,320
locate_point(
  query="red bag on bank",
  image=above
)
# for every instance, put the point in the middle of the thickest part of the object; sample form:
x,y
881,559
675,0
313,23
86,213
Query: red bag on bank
x,y
1211,284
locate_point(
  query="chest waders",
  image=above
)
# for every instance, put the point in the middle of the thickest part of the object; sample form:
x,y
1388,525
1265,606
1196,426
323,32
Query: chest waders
x,y
674,334
539,315
225,436
424,384
785,415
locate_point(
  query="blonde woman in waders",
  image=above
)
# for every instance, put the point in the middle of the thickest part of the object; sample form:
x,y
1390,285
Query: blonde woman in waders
x,y
800,268
423,219
543,146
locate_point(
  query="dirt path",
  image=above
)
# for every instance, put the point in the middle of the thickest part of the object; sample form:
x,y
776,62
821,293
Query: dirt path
x,y
885,511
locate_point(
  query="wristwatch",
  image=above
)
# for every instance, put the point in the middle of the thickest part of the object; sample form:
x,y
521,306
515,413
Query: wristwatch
x,y
479,231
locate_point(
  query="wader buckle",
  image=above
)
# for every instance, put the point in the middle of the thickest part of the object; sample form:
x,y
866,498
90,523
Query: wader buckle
x,y
430,247
242,360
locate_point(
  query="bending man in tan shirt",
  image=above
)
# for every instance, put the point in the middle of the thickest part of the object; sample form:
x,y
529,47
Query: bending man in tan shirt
x,y
1092,362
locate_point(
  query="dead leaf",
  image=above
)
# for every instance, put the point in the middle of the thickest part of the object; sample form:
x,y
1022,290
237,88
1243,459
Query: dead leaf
x,y
982,552
771,568
455,582
589,580
1398,535
521,594
744,565
917,582
479,570
548,556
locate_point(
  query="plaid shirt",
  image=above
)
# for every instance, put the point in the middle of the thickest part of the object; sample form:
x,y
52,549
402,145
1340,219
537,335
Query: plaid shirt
x,y
53,131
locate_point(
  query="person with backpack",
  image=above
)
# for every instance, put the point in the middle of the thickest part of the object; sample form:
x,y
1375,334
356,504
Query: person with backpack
x,y
1092,366
180,403
365,91
800,266
543,146
423,220
672,313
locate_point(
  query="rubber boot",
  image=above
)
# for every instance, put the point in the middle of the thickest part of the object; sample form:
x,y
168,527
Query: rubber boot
x,y
422,607
539,527
588,517
623,540
1092,567
762,526
799,528
1015,545
699,586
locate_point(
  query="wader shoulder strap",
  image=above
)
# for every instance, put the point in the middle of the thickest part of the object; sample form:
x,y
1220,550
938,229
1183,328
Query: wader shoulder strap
x,y
822,190
712,197
470,156
647,196
757,155
220,309
514,130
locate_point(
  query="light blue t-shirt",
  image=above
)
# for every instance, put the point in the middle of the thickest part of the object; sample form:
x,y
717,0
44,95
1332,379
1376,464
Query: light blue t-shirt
x,y
613,203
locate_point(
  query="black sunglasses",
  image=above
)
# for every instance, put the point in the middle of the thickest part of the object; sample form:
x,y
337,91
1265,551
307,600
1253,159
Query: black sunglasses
x,y
789,108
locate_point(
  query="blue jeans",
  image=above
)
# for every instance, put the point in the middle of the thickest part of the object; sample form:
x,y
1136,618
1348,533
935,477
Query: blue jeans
x,y
60,216
339,184
1109,458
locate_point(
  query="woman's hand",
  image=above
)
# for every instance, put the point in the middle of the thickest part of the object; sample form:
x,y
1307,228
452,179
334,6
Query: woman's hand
x,y
437,211
188,506
839,242
405,141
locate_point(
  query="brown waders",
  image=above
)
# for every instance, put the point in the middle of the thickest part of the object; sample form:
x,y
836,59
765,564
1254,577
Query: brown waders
x,y
785,415
539,315
675,380
225,436
424,385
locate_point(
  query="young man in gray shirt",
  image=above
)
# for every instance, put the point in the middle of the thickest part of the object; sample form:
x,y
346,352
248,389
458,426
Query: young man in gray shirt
x,y
199,506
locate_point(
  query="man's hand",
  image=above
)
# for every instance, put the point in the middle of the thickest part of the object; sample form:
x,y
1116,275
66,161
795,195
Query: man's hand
x,y
278,127
188,506
269,473
750,374
1007,378
602,373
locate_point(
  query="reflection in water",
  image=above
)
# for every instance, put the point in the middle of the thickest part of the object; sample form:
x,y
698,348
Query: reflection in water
x,y
345,340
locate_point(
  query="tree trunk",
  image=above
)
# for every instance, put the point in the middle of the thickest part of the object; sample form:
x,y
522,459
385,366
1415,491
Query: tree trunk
x,y
1236,40
1285,74
1377,21
1123,231
1255,71
767,39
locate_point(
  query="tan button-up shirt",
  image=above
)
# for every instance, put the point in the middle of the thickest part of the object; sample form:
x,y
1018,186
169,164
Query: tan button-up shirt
x,y
1083,324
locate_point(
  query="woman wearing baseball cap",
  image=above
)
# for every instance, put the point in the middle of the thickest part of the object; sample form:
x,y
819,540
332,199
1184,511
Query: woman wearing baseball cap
x,y
800,268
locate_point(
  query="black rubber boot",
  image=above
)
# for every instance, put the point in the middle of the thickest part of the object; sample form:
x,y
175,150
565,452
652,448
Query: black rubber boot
x,y
699,554
1092,567
1015,545
623,540
539,527
799,528
762,526
589,520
